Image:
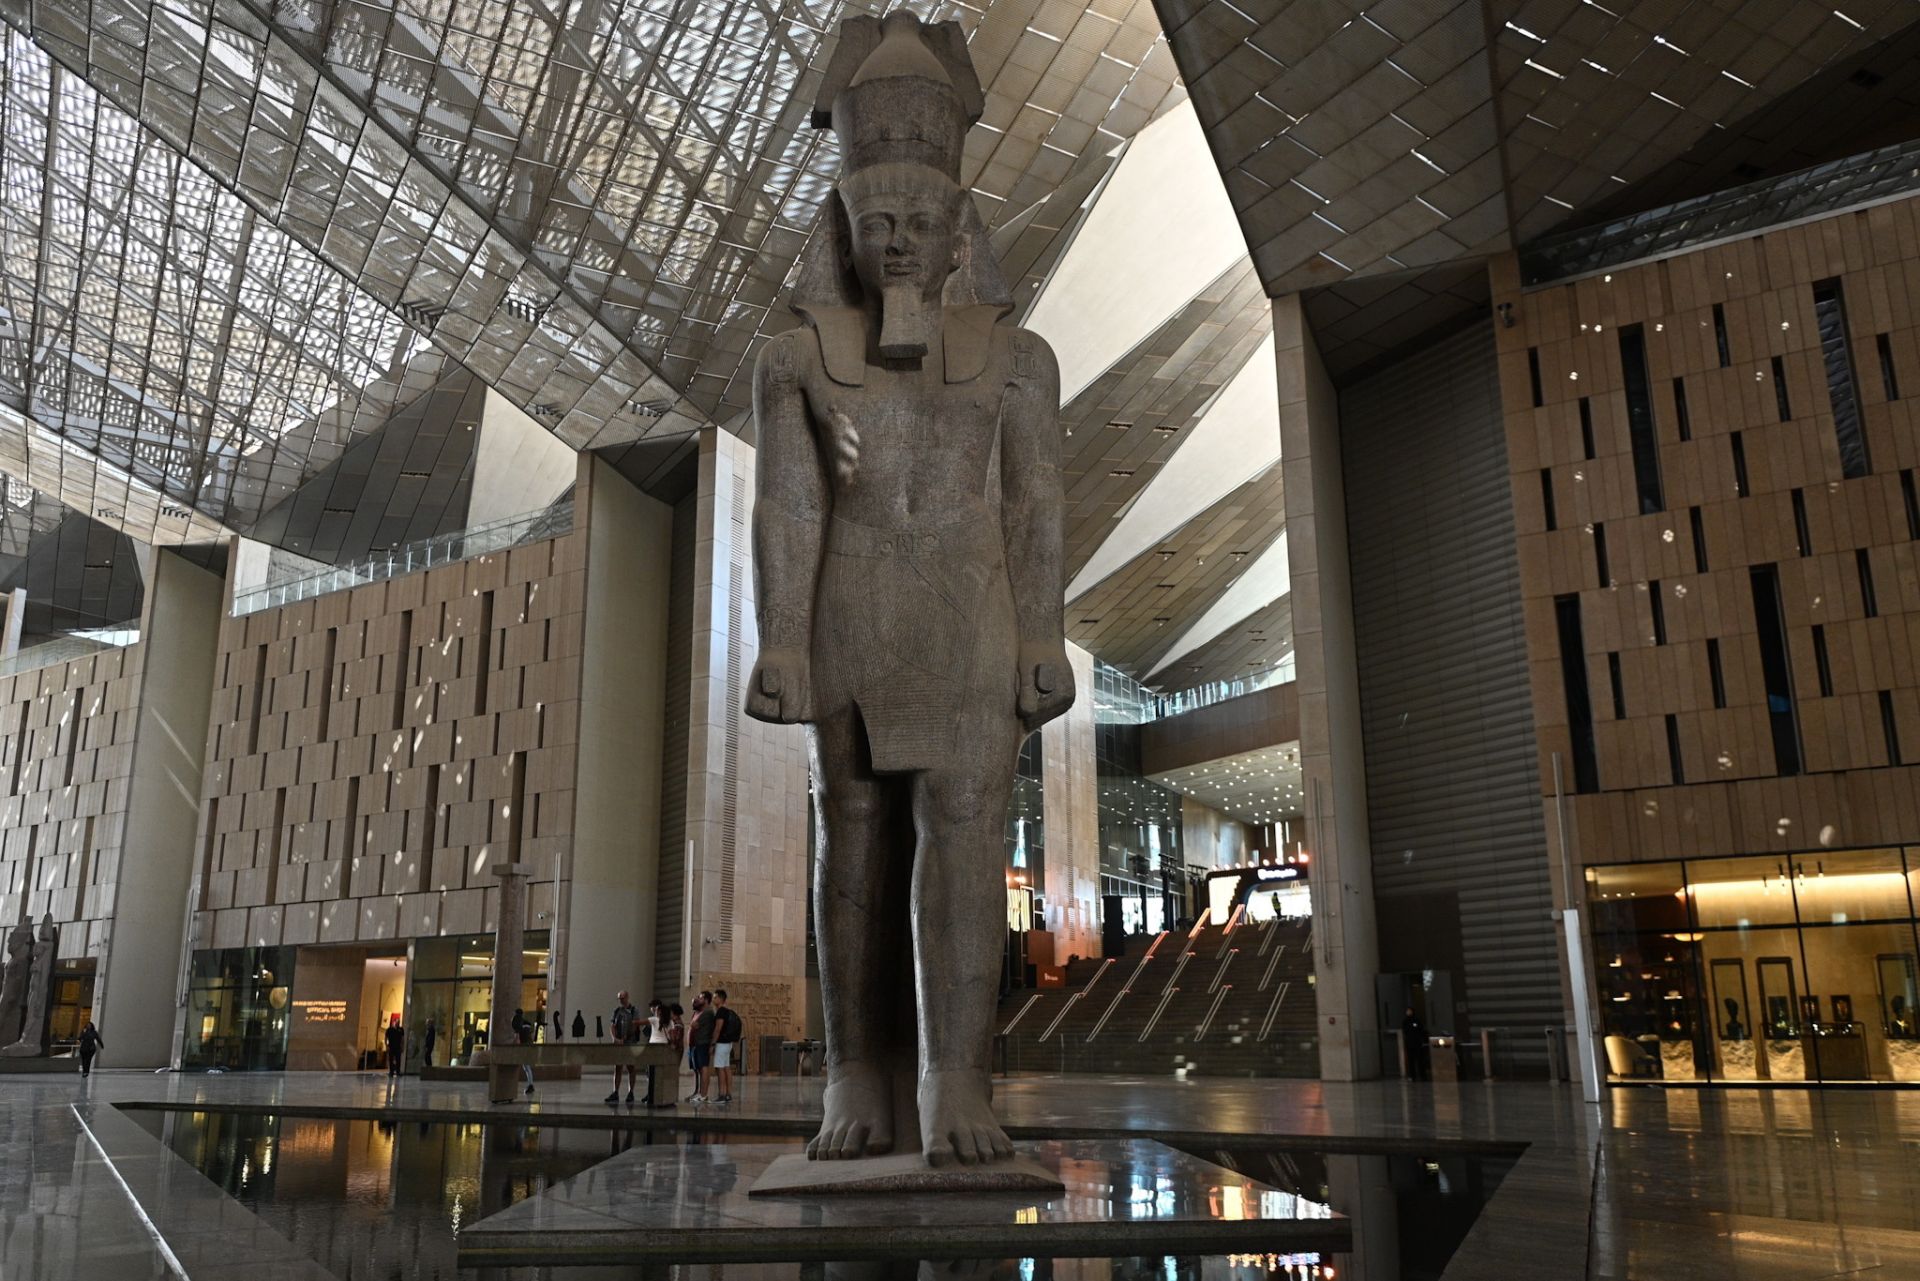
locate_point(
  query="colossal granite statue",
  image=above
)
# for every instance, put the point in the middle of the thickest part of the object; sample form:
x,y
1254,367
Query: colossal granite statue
x,y
907,557
14,981
38,1011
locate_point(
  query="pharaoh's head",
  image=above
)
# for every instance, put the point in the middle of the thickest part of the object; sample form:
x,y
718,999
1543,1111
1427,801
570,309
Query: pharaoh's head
x,y
900,95
901,243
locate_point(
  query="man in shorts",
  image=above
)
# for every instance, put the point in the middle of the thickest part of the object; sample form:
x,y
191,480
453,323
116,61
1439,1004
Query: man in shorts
x,y
728,1029
700,1053
626,1029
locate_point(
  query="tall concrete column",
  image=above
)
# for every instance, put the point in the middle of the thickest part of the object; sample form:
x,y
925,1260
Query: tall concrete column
x,y
603,928
15,605
179,638
509,954
1346,954
1070,808
743,914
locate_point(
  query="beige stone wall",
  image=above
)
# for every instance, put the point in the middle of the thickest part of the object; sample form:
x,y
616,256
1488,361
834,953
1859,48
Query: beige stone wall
x,y
66,745
1849,793
367,748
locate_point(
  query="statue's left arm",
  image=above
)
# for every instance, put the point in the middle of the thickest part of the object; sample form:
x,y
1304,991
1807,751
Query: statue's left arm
x,y
1032,507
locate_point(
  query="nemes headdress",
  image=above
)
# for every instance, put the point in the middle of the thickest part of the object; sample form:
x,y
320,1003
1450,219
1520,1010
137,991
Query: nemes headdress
x,y
899,93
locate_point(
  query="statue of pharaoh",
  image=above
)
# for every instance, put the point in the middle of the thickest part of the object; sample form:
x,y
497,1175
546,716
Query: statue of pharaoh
x,y
907,556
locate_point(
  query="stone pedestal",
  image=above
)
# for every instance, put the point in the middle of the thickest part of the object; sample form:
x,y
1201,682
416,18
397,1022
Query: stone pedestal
x,y
693,1204
509,942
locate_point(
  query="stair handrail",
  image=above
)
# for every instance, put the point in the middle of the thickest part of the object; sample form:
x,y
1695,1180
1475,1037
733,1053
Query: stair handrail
x,y
1152,1020
1221,973
1105,965
1021,1014
1273,1011
1200,1032
1121,995
1233,923
1272,965
1180,965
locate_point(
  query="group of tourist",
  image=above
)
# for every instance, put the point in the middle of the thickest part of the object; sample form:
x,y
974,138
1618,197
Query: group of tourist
x,y
710,1045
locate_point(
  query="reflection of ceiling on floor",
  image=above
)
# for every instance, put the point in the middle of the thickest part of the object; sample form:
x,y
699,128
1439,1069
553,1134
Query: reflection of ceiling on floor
x,y
1255,787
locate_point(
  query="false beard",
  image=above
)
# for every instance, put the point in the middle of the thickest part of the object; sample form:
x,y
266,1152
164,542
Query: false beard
x,y
909,322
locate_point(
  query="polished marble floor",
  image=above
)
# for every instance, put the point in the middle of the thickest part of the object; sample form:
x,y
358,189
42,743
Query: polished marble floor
x,y
1667,1184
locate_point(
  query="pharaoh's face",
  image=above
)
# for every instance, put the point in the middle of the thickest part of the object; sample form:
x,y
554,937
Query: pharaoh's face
x,y
902,239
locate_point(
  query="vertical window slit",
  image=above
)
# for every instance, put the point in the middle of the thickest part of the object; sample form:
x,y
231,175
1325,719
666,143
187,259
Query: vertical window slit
x,y
1780,390
1546,498
1673,750
1863,565
1586,428
1739,444
1802,536
1573,676
1533,373
1843,388
1720,334
1619,687
1657,602
1699,539
1822,664
1888,379
1642,436
1776,668
1716,674
1600,565
1890,728
1681,420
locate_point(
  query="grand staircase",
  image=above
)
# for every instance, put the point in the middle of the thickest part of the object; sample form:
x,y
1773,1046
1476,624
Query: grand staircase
x,y
1226,1000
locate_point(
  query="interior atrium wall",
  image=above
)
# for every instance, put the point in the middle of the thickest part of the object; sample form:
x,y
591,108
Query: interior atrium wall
x,y
373,752
1453,806
1730,552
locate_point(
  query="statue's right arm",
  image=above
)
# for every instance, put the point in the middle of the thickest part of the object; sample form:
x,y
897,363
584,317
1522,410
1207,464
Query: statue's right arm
x,y
790,510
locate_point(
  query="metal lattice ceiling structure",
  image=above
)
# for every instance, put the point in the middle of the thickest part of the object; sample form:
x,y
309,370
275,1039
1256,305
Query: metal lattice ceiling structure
x,y
1365,139
592,207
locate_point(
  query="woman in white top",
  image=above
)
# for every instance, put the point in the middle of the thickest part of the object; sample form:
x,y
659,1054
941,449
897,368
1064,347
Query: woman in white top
x,y
658,1021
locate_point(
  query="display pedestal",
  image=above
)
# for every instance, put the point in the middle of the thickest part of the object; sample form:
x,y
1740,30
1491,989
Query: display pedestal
x,y
900,1172
695,1203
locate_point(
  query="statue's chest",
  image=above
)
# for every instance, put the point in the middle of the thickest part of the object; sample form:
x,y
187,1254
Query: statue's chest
x,y
907,414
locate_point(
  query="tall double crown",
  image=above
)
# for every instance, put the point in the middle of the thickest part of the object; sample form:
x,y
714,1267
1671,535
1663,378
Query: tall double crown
x,y
900,91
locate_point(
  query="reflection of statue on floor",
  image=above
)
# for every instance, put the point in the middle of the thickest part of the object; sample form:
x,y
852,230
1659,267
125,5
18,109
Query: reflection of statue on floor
x,y
907,550
26,1006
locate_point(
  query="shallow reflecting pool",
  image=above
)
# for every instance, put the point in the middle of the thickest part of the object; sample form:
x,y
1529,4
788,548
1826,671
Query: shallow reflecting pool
x,y
387,1200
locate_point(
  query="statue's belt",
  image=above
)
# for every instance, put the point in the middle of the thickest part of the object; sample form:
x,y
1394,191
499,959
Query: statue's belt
x,y
849,538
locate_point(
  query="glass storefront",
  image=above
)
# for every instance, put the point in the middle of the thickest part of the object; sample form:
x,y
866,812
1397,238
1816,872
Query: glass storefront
x,y
72,1001
237,1009
1771,968
453,986
1143,875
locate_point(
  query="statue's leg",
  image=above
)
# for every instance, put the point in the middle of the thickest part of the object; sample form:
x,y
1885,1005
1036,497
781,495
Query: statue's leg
x,y
860,935
960,935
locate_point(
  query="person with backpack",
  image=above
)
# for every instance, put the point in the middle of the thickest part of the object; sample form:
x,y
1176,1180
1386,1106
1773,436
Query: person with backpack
x,y
727,1033
626,1031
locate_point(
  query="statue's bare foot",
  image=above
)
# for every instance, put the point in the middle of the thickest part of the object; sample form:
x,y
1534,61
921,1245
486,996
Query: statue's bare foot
x,y
859,1119
957,1121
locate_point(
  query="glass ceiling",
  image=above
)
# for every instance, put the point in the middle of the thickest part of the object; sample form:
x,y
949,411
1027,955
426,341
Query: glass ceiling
x,y
150,318
232,225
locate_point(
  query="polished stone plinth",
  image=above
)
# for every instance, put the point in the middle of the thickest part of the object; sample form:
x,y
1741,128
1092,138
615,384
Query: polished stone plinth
x,y
690,1204
901,1172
